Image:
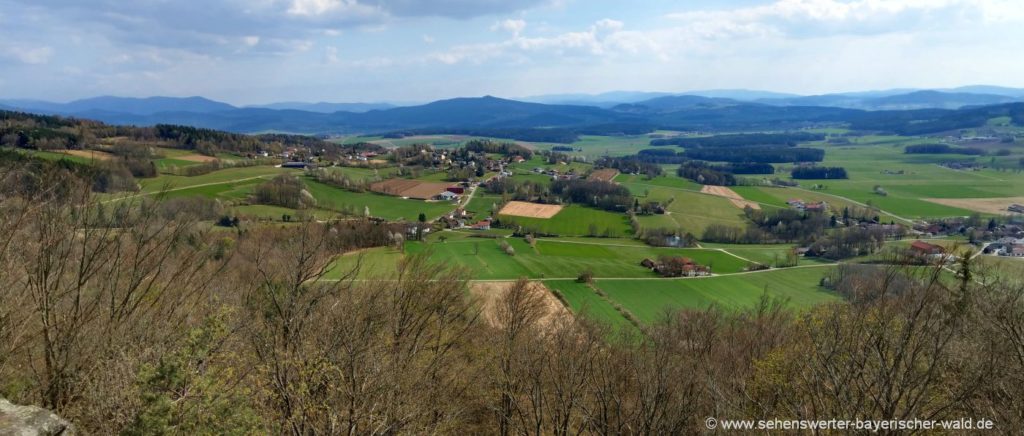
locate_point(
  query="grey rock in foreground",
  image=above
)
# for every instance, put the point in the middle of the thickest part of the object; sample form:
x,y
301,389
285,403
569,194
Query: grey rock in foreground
x,y
31,421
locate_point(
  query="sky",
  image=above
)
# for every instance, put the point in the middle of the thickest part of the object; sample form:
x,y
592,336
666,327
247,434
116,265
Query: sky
x,y
262,51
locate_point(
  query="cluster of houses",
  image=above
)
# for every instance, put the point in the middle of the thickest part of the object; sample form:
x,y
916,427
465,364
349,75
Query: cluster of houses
x,y
1008,247
805,206
676,267
461,219
365,156
557,175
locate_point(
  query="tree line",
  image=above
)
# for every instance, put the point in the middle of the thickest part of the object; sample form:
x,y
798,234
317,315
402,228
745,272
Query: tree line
x,y
741,140
941,149
816,172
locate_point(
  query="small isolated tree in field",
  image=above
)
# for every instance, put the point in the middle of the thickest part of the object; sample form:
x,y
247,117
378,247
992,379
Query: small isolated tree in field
x,y
586,276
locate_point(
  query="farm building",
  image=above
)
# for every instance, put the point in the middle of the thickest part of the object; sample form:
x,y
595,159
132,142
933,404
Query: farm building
x,y
482,225
447,196
678,267
299,165
922,248
1016,208
457,190
814,206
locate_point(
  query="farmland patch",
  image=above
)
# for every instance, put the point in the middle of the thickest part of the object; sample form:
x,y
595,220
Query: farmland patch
x,y
530,210
734,198
417,189
995,206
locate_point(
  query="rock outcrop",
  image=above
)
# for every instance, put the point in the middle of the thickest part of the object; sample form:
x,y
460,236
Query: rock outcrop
x,y
31,421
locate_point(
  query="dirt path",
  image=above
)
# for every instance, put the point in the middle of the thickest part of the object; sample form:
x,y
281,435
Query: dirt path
x,y
736,199
489,294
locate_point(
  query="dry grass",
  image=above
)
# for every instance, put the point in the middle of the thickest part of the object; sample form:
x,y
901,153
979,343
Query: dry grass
x,y
603,175
736,199
995,206
197,158
488,294
417,189
530,210
90,154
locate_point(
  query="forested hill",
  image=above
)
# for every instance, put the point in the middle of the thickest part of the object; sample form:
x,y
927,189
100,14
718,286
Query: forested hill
x,y
24,130
490,116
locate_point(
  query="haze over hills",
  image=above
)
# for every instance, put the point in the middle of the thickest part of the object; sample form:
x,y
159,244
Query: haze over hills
x,y
711,111
325,107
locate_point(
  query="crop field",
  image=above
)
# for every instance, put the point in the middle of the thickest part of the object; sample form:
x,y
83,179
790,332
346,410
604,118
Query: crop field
x,y
89,155
604,175
383,206
575,220
650,299
596,146
373,263
769,254
229,175
689,210
553,259
360,174
909,179
667,181
530,210
540,179
416,189
539,162
991,206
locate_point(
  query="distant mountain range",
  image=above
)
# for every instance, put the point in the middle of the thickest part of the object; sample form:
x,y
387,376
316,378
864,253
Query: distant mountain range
x,y
609,112
326,108
892,99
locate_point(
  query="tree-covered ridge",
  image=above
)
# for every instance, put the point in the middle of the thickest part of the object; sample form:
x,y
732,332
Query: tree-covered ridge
x,y
23,130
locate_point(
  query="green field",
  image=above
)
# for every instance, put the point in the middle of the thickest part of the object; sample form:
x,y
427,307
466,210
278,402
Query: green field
x,y
483,204
576,220
360,174
554,259
911,178
373,263
649,300
383,206
584,302
689,210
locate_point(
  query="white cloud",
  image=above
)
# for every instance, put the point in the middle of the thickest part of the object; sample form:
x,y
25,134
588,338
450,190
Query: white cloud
x,y
31,55
334,8
811,18
514,26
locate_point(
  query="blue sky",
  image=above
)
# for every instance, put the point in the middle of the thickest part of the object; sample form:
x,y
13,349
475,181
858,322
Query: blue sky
x,y
259,51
